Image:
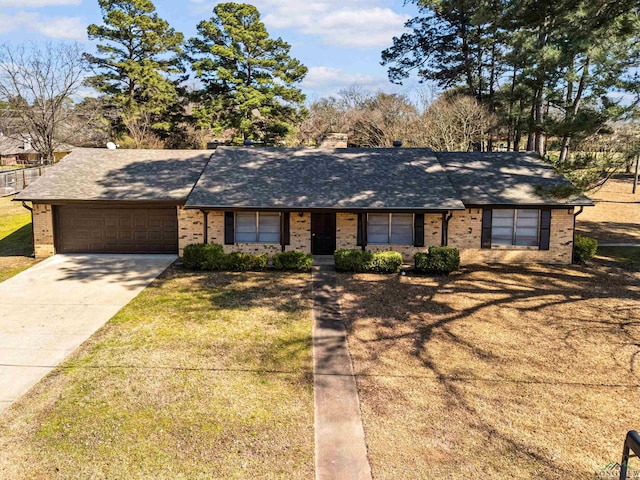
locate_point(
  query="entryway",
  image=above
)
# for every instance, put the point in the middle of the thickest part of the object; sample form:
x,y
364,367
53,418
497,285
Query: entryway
x,y
323,233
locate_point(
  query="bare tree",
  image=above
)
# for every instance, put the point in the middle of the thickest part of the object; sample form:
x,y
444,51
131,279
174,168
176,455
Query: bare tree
x,y
38,84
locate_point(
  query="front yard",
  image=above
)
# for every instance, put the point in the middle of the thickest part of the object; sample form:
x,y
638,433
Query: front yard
x,y
496,372
203,375
16,243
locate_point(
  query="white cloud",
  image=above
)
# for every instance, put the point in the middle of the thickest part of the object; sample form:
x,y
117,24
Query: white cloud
x,y
329,80
37,3
67,28
358,24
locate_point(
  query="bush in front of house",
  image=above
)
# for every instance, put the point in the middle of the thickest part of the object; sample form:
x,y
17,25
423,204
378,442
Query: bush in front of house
x,y
385,262
212,257
359,261
584,248
296,261
199,255
438,261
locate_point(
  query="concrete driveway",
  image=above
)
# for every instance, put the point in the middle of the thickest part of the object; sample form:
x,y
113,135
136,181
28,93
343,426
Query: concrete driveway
x,y
47,311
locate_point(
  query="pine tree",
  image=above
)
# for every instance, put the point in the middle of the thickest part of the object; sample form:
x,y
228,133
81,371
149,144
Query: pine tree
x,y
249,78
137,64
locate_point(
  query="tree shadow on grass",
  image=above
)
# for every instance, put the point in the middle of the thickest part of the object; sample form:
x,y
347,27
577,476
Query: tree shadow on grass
x,y
18,243
434,320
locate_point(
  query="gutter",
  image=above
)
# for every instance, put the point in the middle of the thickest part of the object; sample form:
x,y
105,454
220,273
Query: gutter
x,y
33,230
445,227
574,233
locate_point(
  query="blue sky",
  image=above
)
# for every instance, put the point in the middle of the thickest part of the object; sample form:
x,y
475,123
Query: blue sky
x,y
338,40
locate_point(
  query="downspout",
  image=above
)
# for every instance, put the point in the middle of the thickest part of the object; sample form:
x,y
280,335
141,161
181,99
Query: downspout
x,y
445,227
33,231
573,260
206,225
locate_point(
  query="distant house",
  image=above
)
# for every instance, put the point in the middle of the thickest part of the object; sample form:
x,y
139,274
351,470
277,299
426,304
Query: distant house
x,y
494,207
16,151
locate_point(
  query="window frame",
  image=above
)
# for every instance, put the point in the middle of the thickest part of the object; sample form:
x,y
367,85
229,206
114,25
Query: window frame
x,y
256,215
514,228
390,229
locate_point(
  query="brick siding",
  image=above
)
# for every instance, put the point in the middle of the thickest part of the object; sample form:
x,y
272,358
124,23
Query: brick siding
x,y
43,239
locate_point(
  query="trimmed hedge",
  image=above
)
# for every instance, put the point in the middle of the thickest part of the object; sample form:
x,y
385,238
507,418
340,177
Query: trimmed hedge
x,y
438,261
359,261
295,260
212,257
584,248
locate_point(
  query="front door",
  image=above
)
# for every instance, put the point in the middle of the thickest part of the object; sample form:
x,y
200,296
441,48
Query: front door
x,y
323,233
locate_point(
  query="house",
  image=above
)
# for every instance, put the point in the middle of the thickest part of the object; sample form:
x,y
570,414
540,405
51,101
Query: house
x,y
14,150
493,207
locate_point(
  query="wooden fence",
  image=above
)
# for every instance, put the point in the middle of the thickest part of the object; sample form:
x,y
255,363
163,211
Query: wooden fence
x,y
13,181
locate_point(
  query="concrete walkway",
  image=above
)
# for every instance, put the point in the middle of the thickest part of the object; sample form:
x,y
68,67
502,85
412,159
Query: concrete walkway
x,y
341,451
47,311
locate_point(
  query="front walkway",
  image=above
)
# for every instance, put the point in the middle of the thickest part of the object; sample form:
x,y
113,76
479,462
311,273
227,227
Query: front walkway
x,y
341,451
47,311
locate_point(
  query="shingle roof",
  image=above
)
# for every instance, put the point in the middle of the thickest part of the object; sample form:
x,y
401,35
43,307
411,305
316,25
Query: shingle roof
x,y
507,178
121,175
343,178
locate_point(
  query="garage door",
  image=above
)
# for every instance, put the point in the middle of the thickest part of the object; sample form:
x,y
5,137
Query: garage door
x,y
93,229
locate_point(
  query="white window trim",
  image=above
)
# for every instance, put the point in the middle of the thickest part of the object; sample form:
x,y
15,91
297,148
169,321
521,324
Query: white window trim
x,y
413,230
257,217
514,231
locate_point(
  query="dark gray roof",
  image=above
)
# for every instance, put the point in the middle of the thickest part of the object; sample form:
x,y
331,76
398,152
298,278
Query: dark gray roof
x,y
122,175
507,178
343,178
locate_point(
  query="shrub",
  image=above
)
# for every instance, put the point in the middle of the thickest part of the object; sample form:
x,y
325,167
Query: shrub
x,y
584,248
351,260
438,261
244,262
385,262
360,261
297,261
197,256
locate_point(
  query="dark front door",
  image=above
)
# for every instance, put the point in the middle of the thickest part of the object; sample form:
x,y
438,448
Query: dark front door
x,y
323,233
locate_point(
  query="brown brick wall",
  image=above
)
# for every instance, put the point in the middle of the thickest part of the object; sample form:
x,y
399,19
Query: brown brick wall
x,y
190,228
465,233
43,230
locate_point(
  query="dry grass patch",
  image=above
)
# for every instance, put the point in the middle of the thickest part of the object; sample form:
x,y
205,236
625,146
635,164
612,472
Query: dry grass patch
x,y
616,215
496,372
203,375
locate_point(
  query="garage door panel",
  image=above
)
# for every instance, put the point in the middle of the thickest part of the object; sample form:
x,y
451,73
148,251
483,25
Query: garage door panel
x,y
82,229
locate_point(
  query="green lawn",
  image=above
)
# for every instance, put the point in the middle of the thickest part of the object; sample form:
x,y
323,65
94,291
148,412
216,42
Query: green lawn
x,y
16,242
203,375
626,257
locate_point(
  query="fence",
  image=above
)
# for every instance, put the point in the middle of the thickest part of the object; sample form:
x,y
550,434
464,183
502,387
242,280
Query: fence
x,y
15,180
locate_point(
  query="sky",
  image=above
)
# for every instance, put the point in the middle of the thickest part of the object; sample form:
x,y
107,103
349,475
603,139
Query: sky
x,y
338,40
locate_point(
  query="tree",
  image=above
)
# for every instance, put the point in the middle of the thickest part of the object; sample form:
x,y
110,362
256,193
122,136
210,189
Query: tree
x,y
249,79
37,84
138,65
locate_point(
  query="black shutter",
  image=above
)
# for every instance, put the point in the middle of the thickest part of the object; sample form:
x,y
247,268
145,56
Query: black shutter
x,y
286,229
487,215
362,230
545,229
359,240
229,226
418,230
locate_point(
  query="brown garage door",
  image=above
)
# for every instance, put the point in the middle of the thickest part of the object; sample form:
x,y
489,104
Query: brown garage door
x,y
94,229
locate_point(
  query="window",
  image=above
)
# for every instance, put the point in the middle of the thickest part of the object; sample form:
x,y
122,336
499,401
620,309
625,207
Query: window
x,y
257,227
390,228
515,227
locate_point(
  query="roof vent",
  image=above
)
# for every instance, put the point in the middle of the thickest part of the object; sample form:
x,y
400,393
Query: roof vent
x,y
397,143
213,145
248,142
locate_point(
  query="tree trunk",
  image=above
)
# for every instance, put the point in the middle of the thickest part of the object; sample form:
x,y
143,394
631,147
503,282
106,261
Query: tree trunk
x,y
635,175
573,110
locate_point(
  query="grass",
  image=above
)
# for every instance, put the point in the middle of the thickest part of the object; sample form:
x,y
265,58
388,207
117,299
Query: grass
x,y
627,257
16,242
496,372
615,217
203,375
